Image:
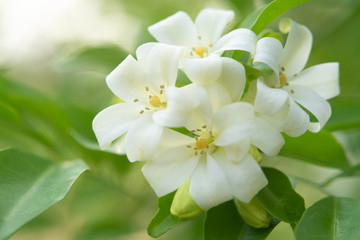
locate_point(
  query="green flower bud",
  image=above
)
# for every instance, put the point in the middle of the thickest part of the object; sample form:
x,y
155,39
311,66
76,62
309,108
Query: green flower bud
x,y
270,33
254,213
183,206
254,152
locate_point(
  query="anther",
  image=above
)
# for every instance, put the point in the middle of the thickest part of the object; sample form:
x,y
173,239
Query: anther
x,y
162,86
196,153
147,89
161,91
210,45
147,108
199,37
292,91
204,126
199,130
188,146
136,100
142,111
202,152
282,68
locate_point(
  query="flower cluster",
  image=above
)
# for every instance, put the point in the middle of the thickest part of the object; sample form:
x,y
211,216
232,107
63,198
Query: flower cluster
x,y
206,134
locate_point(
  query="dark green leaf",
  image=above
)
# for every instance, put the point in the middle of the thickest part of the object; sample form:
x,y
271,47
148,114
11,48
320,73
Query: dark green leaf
x,y
29,185
330,218
318,148
279,198
261,18
163,220
345,113
224,223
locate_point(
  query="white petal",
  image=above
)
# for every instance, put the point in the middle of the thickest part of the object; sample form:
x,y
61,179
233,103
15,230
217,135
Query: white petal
x,y
211,23
237,151
239,39
172,139
114,121
269,100
268,139
233,123
161,65
245,178
208,184
127,81
297,120
182,104
236,133
143,139
177,29
143,51
322,78
310,100
203,71
269,51
170,169
297,47
232,78
218,95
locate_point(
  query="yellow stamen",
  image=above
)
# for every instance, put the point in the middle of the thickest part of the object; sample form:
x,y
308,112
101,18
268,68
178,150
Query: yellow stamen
x,y
155,101
201,143
200,50
282,78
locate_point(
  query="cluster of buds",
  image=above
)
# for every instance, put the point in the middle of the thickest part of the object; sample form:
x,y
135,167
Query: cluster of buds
x,y
205,138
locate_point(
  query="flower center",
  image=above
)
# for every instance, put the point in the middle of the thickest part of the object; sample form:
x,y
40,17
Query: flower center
x,y
155,101
200,50
201,143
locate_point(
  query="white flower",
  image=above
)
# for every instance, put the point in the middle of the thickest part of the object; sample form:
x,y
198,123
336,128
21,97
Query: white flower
x,y
216,161
291,87
203,37
151,100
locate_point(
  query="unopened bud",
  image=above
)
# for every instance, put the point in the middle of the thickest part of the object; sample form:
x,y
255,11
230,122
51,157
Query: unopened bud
x,y
254,213
183,206
254,152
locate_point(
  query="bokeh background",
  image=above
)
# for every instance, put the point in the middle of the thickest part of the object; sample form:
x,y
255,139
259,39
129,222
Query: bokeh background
x,y
54,57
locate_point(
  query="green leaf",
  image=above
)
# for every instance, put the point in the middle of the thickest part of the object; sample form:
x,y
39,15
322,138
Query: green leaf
x,y
279,198
318,148
163,221
108,56
330,218
345,113
30,185
262,17
224,223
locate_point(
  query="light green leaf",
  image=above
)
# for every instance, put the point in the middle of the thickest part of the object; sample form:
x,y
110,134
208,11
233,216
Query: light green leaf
x,y
30,185
345,113
279,198
163,221
224,223
262,17
330,218
318,148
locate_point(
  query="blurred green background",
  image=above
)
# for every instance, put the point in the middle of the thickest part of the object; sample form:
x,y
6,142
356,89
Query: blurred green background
x,y
54,57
